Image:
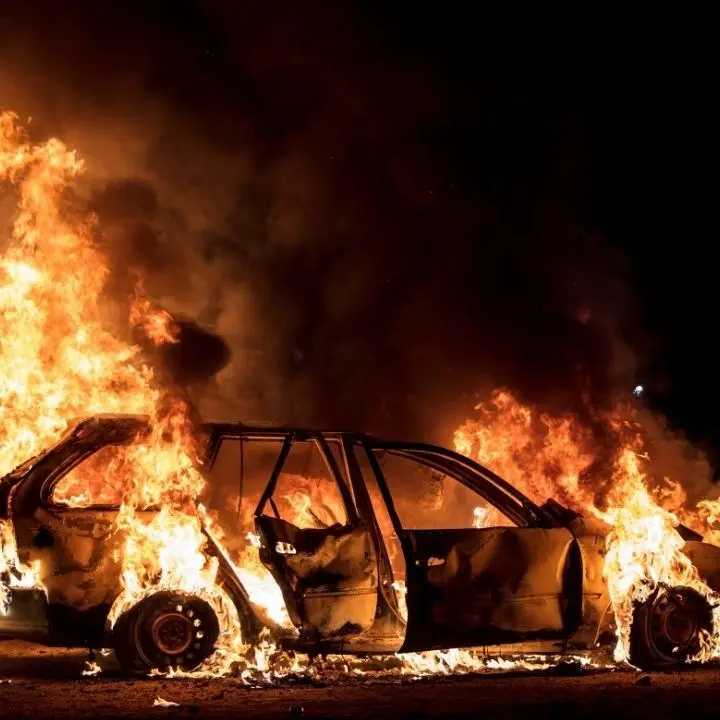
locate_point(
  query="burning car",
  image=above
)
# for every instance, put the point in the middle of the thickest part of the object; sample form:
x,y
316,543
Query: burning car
x,y
375,546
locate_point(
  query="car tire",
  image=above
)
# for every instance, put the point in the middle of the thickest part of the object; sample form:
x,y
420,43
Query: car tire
x,y
167,630
667,628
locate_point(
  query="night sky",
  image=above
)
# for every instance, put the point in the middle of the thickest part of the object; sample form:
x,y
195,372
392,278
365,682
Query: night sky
x,y
388,208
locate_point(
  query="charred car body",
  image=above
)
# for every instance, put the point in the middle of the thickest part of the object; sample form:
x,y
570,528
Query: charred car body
x,y
377,547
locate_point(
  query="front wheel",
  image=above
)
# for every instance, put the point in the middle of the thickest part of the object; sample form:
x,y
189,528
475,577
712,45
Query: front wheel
x,y
167,630
668,627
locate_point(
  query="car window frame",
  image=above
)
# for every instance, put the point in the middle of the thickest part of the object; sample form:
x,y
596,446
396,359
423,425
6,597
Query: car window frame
x,y
85,448
68,465
516,509
352,518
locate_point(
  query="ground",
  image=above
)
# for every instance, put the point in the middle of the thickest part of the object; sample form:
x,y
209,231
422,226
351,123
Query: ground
x,y
43,683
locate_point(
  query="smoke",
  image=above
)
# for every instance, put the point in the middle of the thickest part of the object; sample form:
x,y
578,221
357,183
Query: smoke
x,y
379,237
673,457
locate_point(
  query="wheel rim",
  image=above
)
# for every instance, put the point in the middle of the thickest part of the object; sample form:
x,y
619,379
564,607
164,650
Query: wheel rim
x,y
172,633
175,631
679,627
677,617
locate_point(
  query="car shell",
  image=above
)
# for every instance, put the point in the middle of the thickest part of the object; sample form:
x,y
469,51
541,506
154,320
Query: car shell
x,y
534,586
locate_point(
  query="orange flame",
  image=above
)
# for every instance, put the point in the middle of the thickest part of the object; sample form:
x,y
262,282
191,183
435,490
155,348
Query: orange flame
x,y
59,360
156,324
540,455
644,551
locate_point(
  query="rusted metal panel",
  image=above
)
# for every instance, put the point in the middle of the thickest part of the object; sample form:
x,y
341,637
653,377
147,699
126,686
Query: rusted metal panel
x,y
79,564
337,562
338,582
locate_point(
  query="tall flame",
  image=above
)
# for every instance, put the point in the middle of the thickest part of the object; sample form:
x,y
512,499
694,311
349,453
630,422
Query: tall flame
x,y
644,552
59,360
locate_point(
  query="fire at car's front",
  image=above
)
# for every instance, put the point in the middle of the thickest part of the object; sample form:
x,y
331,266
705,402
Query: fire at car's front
x,y
60,359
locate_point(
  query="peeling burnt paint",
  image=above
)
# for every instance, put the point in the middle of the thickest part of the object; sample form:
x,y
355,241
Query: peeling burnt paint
x,y
77,554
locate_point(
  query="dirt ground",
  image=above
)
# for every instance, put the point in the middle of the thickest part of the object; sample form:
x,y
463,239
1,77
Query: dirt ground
x,y
47,683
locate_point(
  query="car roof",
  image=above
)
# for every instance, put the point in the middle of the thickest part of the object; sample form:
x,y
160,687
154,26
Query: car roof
x,y
240,428
224,428
216,430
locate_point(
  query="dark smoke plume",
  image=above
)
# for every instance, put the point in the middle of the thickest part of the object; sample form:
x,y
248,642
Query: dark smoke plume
x,y
379,237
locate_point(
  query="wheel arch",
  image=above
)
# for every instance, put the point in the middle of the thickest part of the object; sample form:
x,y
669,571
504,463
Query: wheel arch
x,y
250,623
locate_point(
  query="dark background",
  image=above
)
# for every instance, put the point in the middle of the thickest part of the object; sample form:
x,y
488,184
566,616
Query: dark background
x,y
403,204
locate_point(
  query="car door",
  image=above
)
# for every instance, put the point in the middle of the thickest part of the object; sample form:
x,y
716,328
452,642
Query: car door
x,y
313,542
474,575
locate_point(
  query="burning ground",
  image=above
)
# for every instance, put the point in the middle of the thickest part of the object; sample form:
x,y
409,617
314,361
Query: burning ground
x,y
71,349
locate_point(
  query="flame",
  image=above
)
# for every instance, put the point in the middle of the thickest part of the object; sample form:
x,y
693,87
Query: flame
x,y
708,515
255,577
162,702
155,323
91,669
60,359
484,516
540,455
457,661
401,595
19,575
312,502
166,551
645,552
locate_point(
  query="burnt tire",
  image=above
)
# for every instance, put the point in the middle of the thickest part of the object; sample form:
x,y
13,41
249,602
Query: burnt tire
x,y
667,628
167,630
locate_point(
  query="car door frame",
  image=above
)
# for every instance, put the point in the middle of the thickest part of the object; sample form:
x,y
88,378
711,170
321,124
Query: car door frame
x,y
421,633
275,561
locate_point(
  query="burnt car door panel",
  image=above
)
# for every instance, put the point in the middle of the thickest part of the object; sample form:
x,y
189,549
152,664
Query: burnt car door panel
x,y
452,557
328,577
315,545
477,571
478,587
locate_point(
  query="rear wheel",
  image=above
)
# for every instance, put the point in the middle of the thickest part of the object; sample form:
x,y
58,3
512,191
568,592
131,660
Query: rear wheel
x,y
668,627
167,630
